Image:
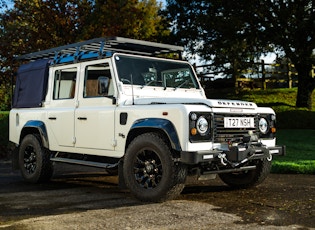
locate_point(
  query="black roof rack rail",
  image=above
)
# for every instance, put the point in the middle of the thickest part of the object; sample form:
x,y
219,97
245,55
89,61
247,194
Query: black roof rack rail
x,y
100,47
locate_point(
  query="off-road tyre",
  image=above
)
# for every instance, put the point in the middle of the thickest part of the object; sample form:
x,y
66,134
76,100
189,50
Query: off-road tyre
x,y
34,160
149,170
248,178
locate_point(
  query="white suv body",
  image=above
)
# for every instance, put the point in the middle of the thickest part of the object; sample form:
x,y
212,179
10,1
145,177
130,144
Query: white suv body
x,y
146,115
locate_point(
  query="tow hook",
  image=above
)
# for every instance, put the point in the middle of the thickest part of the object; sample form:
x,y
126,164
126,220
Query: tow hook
x,y
225,161
269,158
222,157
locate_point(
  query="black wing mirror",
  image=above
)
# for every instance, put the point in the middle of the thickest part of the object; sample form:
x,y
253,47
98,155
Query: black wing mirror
x,y
103,83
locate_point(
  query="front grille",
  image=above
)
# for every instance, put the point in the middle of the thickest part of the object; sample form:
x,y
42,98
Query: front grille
x,y
222,134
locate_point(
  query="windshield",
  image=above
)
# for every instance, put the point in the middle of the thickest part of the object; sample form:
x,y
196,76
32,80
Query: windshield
x,y
154,72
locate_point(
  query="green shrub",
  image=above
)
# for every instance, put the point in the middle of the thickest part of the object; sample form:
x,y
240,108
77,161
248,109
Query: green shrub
x,y
5,97
296,119
4,136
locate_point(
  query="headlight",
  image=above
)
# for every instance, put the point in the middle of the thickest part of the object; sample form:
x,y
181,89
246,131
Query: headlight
x,y
263,125
202,125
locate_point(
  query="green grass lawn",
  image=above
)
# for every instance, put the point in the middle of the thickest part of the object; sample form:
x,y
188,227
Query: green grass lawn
x,y
300,157
295,126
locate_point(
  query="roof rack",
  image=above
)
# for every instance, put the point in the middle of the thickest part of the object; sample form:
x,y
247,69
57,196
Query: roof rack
x,y
100,47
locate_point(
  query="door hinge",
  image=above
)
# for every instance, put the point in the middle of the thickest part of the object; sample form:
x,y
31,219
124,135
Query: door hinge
x,y
74,140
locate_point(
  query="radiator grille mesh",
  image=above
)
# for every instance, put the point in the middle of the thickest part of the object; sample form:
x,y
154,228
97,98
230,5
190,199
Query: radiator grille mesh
x,y
222,134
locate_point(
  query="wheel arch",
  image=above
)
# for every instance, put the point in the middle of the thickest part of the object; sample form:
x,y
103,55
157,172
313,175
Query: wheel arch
x,y
162,126
36,127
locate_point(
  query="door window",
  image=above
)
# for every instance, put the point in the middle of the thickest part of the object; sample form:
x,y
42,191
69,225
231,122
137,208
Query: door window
x,y
64,83
98,81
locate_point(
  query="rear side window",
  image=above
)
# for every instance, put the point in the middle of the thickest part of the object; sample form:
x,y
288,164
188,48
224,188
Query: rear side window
x,y
64,83
31,84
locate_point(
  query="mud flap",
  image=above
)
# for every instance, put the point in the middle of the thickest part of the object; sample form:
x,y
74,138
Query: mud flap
x,y
121,179
15,159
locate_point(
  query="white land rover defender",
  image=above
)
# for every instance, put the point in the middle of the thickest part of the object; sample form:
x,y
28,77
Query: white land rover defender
x,y
115,103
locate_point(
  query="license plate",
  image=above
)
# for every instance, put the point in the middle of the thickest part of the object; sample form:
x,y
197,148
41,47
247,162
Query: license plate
x,y
239,122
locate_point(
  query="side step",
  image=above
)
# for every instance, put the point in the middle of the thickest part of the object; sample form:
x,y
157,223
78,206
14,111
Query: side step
x,y
245,168
85,163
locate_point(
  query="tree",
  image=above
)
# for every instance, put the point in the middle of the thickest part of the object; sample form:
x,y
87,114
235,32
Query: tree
x,y
33,25
230,32
217,31
127,18
290,26
39,24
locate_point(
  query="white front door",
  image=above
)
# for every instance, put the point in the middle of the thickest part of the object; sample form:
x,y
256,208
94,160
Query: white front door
x,y
94,115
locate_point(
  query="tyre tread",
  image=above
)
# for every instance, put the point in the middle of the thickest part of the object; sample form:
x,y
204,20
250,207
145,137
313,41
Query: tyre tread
x,y
44,166
253,178
176,180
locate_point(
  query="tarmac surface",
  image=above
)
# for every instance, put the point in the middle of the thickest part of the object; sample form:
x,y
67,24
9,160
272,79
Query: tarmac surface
x,y
87,198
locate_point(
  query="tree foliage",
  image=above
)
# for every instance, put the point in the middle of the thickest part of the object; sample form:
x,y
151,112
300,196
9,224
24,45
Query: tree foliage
x,y
290,26
230,32
33,25
39,24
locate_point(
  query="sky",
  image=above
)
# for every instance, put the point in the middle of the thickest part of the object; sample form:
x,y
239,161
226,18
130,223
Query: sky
x,y
9,3
163,2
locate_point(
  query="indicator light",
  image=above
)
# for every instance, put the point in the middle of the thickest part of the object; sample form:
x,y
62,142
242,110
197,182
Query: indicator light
x,y
193,131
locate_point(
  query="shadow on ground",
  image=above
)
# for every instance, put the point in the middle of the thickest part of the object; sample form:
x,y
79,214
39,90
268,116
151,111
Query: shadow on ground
x,y
282,200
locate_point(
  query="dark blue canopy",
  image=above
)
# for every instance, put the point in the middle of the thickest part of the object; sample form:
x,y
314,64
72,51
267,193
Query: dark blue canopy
x,y
31,84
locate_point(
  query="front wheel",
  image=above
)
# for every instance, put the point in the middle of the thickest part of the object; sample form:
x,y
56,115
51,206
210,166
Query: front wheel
x,y
248,178
149,170
34,160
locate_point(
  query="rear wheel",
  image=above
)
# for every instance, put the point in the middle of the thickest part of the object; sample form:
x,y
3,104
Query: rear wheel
x,y
248,178
149,170
34,160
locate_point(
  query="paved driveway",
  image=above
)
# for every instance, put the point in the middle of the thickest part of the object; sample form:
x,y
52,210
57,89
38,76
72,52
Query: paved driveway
x,y
88,198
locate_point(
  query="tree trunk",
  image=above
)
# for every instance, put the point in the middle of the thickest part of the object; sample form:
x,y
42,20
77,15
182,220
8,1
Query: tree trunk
x,y
235,74
305,87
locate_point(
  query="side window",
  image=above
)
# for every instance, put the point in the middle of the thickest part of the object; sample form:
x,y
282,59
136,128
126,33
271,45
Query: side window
x,y
98,81
64,83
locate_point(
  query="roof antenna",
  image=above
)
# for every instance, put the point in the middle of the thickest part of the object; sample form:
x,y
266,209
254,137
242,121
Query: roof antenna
x,y
132,94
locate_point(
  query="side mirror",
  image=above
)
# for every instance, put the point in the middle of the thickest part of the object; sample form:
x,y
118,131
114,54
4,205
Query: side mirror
x,y
103,83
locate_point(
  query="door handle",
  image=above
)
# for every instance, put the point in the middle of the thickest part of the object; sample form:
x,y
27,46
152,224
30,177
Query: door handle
x,y
82,118
52,118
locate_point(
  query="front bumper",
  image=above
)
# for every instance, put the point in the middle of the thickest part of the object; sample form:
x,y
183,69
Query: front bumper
x,y
236,154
